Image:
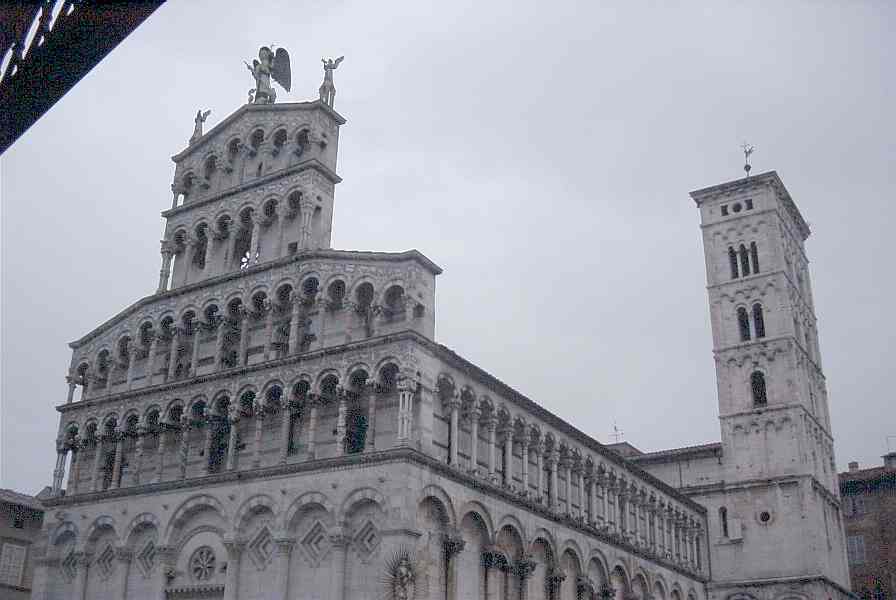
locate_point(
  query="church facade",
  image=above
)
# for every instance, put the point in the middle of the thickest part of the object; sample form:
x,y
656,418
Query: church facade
x,y
278,422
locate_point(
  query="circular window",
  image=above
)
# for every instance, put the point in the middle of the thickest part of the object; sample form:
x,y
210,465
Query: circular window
x,y
737,207
202,564
765,516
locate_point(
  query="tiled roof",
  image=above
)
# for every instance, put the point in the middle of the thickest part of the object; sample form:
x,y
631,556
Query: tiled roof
x,y
678,452
13,497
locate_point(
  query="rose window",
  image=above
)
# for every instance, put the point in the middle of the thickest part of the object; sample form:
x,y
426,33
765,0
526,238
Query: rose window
x,y
202,564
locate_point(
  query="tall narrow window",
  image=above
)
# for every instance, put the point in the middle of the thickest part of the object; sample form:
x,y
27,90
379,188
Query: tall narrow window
x,y
723,520
743,322
744,261
757,385
754,254
732,258
758,320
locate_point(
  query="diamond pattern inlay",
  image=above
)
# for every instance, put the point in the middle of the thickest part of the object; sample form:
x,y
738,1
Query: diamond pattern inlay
x,y
70,565
261,548
147,558
368,538
315,541
106,562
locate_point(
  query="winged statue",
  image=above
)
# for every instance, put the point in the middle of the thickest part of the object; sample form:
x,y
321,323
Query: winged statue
x,y
269,65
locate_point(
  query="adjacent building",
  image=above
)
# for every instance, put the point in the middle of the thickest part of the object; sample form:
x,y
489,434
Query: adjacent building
x,y
21,519
869,511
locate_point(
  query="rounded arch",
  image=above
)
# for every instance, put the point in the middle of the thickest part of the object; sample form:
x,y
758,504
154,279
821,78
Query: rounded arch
x,y
190,506
304,501
597,567
547,538
323,376
253,505
514,522
100,524
572,547
137,524
63,529
473,506
365,494
434,491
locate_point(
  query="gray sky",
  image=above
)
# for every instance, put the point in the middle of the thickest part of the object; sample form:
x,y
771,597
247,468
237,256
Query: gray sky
x,y
541,153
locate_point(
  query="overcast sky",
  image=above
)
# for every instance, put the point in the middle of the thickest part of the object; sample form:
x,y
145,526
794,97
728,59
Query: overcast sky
x,y
541,154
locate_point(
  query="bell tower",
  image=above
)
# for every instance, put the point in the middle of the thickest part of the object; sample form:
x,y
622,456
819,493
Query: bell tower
x,y
776,505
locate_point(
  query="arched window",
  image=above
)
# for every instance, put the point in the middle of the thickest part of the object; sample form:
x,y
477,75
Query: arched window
x,y
732,258
758,320
757,386
723,520
743,322
744,261
754,254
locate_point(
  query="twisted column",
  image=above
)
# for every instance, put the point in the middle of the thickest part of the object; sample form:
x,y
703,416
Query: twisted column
x,y
165,271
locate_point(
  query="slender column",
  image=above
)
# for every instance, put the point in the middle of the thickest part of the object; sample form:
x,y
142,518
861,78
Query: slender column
x,y
207,450
209,240
245,319
524,451
475,414
524,569
124,558
539,464
580,495
370,442
70,380
284,549
234,419
165,557
492,426
166,267
74,469
259,410
454,406
160,453
119,449
508,456
96,481
82,562
296,326
313,401
184,443
151,358
254,251
59,471
138,454
340,542
602,482
552,466
285,416
567,503
194,358
591,484
341,410
173,354
406,389
268,329
307,208
232,581
221,326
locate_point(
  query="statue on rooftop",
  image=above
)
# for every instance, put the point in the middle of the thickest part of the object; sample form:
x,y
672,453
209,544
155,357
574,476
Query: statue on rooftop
x,y
198,121
269,65
327,89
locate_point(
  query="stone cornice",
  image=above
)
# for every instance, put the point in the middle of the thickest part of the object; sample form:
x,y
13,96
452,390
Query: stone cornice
x,y
768,408
393,455
251,108
814,578
722,487
309,163
304,255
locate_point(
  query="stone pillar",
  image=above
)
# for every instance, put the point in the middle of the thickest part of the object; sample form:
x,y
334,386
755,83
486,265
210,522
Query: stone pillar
x,y
165,271
370,442
173,354
119,450
552,492
406,389
138,454
524,569
259,410
313,401
233,418
492,426
254,250
209,240
296,325
268,329
59,471
165,557
222,326
207,449
307,207
74,469
591,492
151,358
232,579
184,443
245,318
539,464
284,549
602,482
82,563
340,541
580,493
341,415
160,452
197,339
124,558
96,480
71,388
508,456
524,452
454,406
132,361
285,416
475,414
567,503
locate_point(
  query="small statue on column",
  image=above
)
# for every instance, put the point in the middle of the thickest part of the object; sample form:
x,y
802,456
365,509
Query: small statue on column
x,y
327,89
269,65
197,127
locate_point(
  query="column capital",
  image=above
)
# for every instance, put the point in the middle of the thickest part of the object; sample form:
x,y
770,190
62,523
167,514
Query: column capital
x,y
234,548
525,566
284,545
125,555
454,545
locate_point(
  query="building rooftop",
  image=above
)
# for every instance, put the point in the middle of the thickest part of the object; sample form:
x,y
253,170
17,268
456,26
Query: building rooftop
x,y
14,497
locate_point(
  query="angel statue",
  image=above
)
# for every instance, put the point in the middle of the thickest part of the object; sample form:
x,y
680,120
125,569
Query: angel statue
x,y
327,89
269,65
197,127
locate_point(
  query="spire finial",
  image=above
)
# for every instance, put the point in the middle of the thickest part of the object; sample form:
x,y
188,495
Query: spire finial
x,y
748,150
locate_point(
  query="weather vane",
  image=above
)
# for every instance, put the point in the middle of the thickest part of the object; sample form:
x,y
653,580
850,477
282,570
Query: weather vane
x,y
748,150
617,434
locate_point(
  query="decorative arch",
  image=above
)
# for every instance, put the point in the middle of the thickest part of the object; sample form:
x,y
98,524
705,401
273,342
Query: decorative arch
x,y
547,538
141,521
479,509
434,491
358,496
513,522
303,501
99,524
62,529
253,505
190,506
